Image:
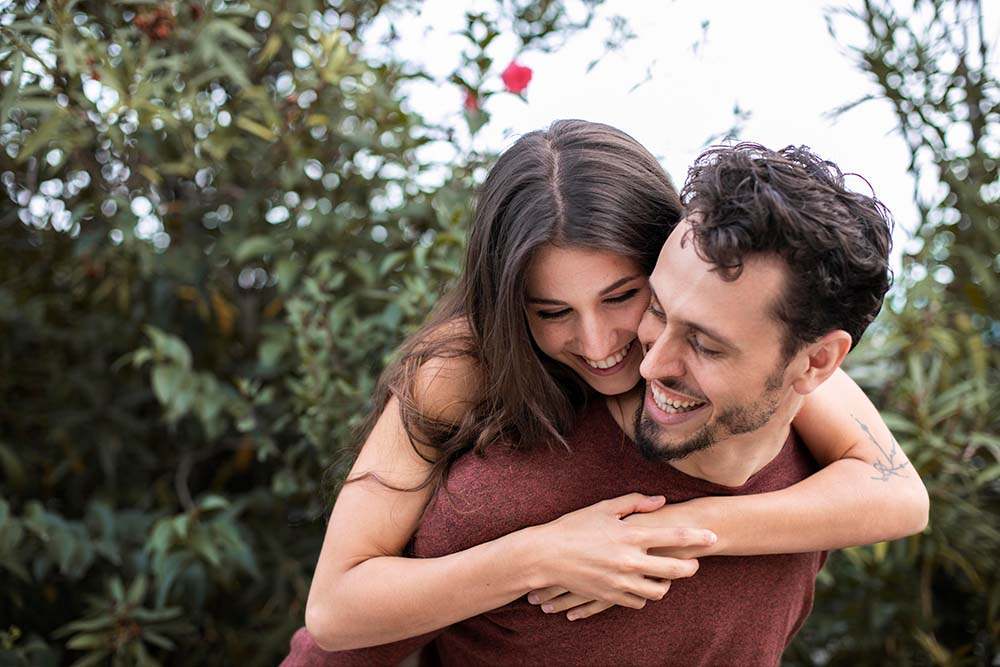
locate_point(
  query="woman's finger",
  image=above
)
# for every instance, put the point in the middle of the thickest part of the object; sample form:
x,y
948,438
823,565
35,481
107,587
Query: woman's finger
x,y
631,503
664,567
545,594
674,537
650,589
588,610
564,602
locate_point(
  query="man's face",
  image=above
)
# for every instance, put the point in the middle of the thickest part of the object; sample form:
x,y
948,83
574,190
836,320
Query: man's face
x,y
714,366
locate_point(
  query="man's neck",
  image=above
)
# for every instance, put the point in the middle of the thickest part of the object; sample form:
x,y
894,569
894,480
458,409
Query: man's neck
x,y
729,462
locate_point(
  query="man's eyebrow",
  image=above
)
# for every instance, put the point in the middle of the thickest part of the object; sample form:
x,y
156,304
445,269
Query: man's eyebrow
x,y
610,288
700,328
715,335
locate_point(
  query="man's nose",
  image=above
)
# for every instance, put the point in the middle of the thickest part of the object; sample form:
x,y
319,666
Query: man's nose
x,y
662,358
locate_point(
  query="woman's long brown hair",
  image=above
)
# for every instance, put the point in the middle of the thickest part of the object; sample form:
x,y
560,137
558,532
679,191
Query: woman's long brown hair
x,y
577,184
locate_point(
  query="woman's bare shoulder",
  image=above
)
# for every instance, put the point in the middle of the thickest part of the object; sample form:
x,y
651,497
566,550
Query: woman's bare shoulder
x,y
448,385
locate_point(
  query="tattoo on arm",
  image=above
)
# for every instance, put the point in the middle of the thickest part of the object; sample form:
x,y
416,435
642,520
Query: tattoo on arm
x,y
890,467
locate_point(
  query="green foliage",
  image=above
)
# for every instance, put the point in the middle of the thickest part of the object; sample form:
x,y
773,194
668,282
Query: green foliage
x,y
119,628
221,220
933,362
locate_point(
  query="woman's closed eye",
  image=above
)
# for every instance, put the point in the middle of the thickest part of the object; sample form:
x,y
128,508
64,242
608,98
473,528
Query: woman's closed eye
x,y
559,314
554,314
623,297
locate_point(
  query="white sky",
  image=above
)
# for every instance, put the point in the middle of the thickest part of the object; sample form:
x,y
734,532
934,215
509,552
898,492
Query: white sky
x,y
775,59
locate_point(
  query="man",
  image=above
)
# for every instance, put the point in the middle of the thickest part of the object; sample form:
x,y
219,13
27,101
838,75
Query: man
x,y
758,295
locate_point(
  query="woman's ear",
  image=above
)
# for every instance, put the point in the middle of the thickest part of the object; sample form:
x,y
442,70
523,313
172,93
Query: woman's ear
x,y
823,357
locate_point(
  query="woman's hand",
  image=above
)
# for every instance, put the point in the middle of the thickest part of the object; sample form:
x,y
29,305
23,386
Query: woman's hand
x,y
599,557
669,537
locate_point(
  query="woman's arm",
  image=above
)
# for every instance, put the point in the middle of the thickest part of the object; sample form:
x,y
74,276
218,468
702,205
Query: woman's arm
x,y
363,593
866,492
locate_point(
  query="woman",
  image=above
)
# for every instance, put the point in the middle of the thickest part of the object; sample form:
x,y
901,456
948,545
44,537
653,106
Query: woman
x,y
497,367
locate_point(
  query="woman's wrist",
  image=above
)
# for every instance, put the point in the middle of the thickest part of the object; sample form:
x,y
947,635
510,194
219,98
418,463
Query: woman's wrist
x,y
528,554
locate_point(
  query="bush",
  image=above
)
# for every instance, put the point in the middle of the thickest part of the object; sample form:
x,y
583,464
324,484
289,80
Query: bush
x,y
222,223
221,227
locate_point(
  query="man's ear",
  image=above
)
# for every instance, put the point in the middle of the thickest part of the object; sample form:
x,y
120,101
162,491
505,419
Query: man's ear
x,y
823,356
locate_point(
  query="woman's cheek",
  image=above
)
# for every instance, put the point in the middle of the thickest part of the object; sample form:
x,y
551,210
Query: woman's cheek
x,y
636,313
546,335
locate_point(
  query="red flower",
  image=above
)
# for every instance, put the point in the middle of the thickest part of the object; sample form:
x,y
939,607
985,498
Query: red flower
x,y
471,103
157,23
516,77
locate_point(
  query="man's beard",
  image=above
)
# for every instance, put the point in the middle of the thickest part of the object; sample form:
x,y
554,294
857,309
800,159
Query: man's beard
x,y
734,420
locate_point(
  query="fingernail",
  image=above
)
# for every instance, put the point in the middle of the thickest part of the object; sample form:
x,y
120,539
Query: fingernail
x,y
547,608
712,538
572,617
532,598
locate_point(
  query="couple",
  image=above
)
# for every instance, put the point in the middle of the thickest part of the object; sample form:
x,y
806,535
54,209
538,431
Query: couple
x,y
529,474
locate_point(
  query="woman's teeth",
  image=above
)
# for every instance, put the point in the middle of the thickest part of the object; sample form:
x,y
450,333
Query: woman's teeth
x,y
613,360
672,406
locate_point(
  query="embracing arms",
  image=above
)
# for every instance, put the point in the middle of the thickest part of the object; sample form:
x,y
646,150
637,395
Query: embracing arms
x,y
866,491
364,593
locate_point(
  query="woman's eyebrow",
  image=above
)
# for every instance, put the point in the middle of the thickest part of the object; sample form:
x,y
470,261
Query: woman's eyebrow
x,y
610,288
618,283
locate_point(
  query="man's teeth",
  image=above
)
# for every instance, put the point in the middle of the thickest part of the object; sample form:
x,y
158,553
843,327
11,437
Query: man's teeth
x,y
613,360
670,405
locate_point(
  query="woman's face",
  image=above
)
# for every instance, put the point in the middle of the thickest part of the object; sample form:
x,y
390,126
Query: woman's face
x,y
584,308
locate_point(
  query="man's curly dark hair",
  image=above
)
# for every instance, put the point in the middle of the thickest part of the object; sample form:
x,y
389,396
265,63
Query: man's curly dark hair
x,y
747,200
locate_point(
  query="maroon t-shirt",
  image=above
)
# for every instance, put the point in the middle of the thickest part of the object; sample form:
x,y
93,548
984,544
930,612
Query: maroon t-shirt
x,y
735,611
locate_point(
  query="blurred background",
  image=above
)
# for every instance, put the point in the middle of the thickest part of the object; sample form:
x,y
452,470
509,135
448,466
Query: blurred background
x,y
220,218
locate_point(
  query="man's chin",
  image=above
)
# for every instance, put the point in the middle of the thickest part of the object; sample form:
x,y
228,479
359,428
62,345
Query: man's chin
x,y
653,447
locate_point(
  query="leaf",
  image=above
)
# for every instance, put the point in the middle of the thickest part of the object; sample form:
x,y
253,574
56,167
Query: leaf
x,y
231,68
12,468
213,502
224,28
157,639
92,659
117,589
38,141
271,48
38,105
13,88
137,591
170,346
254,128
82,642
167,381
170,568
391,261
255,246
86,625
156,615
